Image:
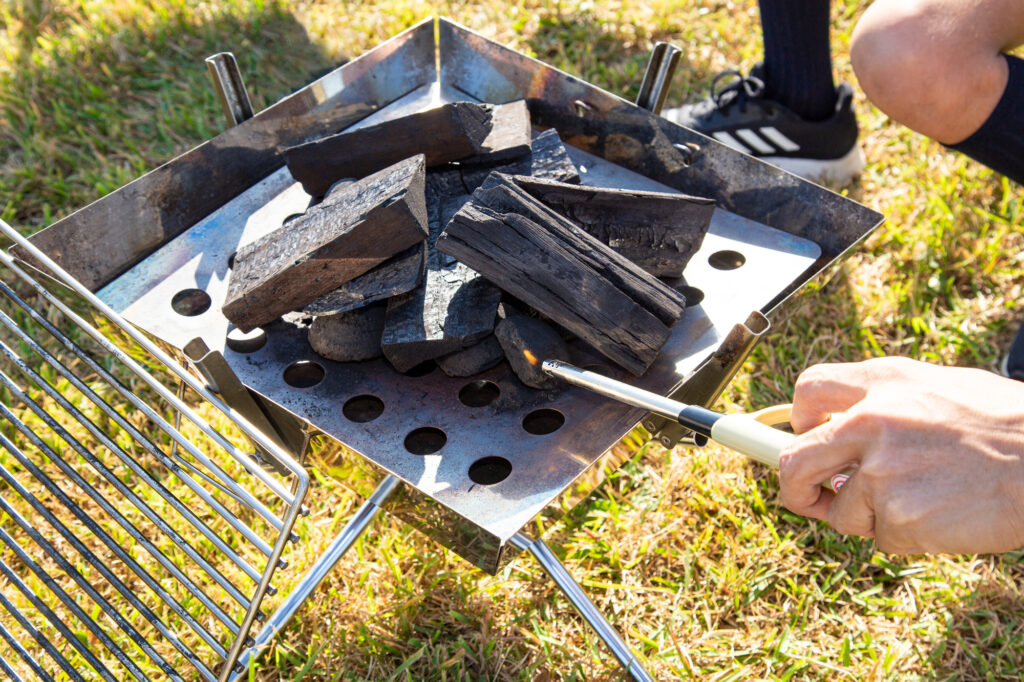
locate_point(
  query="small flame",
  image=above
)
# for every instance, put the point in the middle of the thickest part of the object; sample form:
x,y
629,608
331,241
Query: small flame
x,y
530,357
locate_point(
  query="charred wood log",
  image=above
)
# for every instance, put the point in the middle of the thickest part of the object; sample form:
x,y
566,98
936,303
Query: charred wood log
x,y
397,275
448,133
566,274
658,231
359,226
548,160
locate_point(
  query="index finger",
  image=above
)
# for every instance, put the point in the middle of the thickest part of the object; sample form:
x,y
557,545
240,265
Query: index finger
x,y
811,459
822,390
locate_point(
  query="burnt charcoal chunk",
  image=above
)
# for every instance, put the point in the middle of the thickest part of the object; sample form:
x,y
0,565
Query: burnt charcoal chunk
x,y
349,337
501,194
549,160
473,360
658,231
554,266
359,226
527,342
454,309
510,134
448,133
395,276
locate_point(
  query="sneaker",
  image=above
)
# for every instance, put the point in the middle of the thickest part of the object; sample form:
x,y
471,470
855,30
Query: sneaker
x,y
1013,364
739,115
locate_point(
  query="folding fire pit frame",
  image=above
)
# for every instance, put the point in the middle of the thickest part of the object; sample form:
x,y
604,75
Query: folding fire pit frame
x,y
170,234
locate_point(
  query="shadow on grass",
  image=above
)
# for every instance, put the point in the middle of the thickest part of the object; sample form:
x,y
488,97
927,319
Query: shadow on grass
x,y
86,111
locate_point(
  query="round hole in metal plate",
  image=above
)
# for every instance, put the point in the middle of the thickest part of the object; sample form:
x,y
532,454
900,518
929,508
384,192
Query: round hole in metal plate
x,y
726,260
479,393
543,421
693,294
425,440
490,470
246,342
191,302
303,374
422,369
363,408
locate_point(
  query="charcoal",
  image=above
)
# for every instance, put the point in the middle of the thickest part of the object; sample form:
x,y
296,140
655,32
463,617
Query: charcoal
x,y
359,226
658,231
397,275
349,337
473,360
564,273
527,342
448,133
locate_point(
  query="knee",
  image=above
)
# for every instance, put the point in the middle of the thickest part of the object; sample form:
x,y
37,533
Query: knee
x,y
895,58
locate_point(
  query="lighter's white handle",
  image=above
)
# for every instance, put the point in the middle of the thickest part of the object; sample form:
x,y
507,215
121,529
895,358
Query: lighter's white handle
x,y
752,435
749,437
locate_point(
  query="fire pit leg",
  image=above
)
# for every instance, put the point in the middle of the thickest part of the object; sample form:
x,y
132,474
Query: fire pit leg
x,y
554,568
658,77
317,572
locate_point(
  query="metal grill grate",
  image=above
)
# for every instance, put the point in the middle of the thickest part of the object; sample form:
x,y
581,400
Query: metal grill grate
x,y
138,535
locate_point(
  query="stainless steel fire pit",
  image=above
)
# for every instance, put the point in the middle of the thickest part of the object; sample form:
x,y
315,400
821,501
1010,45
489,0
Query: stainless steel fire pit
x,y
498,455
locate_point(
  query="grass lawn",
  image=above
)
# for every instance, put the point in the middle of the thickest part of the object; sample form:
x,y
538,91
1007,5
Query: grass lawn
x,y
686,551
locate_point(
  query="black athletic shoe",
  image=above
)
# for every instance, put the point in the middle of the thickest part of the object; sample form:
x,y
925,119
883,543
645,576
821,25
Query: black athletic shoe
x,y
1013,363
739,115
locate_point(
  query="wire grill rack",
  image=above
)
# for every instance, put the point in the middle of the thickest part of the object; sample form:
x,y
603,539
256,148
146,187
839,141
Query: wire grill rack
x,y
138,532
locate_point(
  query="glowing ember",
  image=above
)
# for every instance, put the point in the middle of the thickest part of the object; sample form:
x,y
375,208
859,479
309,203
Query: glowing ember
x,y
530,357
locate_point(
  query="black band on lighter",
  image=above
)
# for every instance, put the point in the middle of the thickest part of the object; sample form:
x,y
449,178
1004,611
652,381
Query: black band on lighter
x,y
698,419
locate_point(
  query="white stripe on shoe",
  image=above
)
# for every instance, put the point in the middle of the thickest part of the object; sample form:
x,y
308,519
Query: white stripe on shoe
x,y
780,140
751,138
727,139
836,172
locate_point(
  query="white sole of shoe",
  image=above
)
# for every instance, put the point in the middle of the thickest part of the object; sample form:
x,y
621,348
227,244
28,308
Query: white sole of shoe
x,y
836,172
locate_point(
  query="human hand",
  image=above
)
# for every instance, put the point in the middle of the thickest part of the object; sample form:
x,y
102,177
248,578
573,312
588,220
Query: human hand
x,y
937,453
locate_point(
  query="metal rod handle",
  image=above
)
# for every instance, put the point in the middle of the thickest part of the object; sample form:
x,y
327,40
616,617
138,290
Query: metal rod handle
x,y
355,527
554,568
658,77
227,80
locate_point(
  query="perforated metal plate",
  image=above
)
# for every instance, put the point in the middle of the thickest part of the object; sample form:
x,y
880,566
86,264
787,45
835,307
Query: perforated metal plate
x,y
741,267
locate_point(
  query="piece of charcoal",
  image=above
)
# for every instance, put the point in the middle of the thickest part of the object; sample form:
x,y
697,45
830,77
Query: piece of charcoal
x,y
349,337
454,307
658,231
397,275
357,227
501,194
444,134
452,310
473,360
564,273
548,160
527,342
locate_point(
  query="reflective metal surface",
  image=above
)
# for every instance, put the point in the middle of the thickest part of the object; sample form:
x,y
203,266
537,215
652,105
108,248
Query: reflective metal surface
x,y
549,562
658,77
102,240
130,497
542,464
303,589
772,234
227,80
